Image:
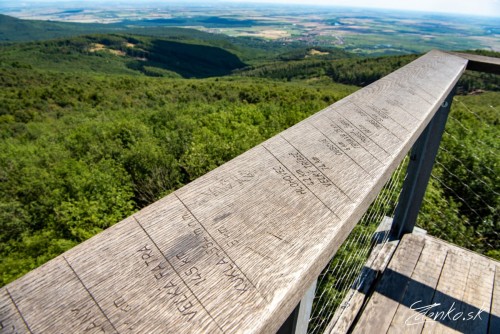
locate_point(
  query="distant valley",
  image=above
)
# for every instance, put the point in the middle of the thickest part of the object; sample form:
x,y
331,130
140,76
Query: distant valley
x,y
364,32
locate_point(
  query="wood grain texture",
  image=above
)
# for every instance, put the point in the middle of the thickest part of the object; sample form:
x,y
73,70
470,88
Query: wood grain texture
x,y
52,299
235,250
136,282
385,300
450,290
356,297
424,280
10,321
475,304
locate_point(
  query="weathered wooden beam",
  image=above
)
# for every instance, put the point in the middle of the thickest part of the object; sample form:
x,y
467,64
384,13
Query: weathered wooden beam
x,y
422,157
480,63
235,250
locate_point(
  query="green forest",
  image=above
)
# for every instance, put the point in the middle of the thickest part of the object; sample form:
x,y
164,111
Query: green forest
x,y
95,127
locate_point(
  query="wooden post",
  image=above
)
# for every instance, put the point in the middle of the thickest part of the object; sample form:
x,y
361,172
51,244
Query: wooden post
x,y
419,171
299,319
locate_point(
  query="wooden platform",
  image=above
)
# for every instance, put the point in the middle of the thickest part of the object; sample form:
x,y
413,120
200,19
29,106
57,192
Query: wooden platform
x,y
431,286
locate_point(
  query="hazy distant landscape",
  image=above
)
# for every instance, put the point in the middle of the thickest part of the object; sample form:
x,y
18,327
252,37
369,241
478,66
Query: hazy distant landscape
x,y
362,31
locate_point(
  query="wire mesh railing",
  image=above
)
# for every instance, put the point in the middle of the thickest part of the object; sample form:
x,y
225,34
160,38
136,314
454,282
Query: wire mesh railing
x,y
343,271
462,199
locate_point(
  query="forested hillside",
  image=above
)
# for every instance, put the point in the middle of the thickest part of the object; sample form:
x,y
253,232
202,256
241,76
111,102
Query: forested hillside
x,y
360,71
13,31
95,127
462,199
80,152
123,54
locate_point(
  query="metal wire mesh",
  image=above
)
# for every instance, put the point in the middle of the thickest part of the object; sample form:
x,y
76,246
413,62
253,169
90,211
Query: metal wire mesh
x,y
460,189
462,199
344,269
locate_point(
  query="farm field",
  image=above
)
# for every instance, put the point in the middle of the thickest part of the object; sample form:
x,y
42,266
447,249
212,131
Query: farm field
x,y
362,31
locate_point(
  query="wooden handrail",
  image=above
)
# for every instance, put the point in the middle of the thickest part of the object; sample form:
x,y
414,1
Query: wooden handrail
x,y
236,249
480,63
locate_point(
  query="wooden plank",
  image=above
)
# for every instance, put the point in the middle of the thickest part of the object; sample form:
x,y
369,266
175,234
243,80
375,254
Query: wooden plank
x,y
355,298
420,289
472,311
412,97
381,135
205,263
331,164
340,139
236,249
136,285
273,235
478,293
53,300
341,125
385,255
456,285
450,289
494,321
312,171
384,302
10,319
